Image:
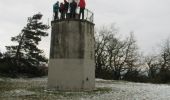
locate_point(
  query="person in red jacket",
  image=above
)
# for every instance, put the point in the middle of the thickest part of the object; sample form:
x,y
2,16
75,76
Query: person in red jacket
x,y
82,5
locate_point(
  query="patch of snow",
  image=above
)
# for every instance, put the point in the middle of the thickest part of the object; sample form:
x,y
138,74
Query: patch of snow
x,y
1,79
18,92
134,91
98,79
120,90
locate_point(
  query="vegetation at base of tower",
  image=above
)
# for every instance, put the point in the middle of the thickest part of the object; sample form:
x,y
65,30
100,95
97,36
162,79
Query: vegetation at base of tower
x,y
26,57
120,59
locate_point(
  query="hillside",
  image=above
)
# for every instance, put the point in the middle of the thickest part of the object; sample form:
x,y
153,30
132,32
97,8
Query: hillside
x,y
35,88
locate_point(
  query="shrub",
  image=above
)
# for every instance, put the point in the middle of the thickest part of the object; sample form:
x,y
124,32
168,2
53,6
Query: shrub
x,y
162,77
135,76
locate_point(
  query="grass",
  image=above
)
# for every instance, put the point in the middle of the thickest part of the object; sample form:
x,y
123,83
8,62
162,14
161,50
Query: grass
x,y
5,86
38,88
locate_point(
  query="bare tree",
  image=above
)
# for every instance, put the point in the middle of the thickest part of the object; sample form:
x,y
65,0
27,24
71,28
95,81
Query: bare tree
x,y
114,55
165,56
115,49
164,63
102,38
152,62
131,52
125,57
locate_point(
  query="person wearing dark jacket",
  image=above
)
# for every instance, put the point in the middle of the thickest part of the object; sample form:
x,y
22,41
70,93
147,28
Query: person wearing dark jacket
x,y
73,7
61,11
82,5
55,10
66,6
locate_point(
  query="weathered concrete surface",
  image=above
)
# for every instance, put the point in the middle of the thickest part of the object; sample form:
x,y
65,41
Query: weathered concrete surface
x,y
71,74
71,65
72,39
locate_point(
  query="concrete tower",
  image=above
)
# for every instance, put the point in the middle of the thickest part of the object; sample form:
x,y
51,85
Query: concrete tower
x,y
71,64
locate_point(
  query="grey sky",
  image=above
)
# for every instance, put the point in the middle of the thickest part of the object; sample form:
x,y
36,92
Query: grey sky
x,y
149,19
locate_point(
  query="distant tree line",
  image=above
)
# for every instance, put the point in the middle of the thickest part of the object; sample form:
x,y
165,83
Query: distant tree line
x,y
120,59
159,64
25,58
115,57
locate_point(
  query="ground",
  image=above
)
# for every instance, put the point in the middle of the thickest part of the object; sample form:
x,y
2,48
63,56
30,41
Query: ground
x,y
35,89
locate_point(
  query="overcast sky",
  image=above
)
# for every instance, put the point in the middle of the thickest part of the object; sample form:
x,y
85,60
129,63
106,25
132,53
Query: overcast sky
x,y
148,19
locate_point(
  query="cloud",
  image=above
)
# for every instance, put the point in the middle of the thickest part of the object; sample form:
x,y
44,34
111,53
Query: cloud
x,y
149,19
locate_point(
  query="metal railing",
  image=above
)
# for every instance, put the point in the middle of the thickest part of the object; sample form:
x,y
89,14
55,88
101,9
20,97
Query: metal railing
x,y
88,15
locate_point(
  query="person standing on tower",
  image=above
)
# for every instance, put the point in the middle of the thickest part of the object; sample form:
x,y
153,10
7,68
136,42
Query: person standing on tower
x,y
55,10
61,11
82,5
66,6
73,7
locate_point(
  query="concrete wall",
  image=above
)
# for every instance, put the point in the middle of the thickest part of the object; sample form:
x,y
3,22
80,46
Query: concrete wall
x,y
71,65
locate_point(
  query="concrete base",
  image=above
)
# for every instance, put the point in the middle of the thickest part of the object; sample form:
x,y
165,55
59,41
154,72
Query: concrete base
x,y
71,74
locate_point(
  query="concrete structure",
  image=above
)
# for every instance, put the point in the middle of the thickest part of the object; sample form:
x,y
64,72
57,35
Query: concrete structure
x,y
71,64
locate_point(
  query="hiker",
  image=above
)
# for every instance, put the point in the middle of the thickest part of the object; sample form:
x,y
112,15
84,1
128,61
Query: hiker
x,y
61,11
55,10
82,5
73,7
66,6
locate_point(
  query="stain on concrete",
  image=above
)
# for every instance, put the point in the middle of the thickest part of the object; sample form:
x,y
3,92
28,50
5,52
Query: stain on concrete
x,y
72,39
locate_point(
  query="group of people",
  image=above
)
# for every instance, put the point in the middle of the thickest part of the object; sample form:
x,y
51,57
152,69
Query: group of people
x,y
63,8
